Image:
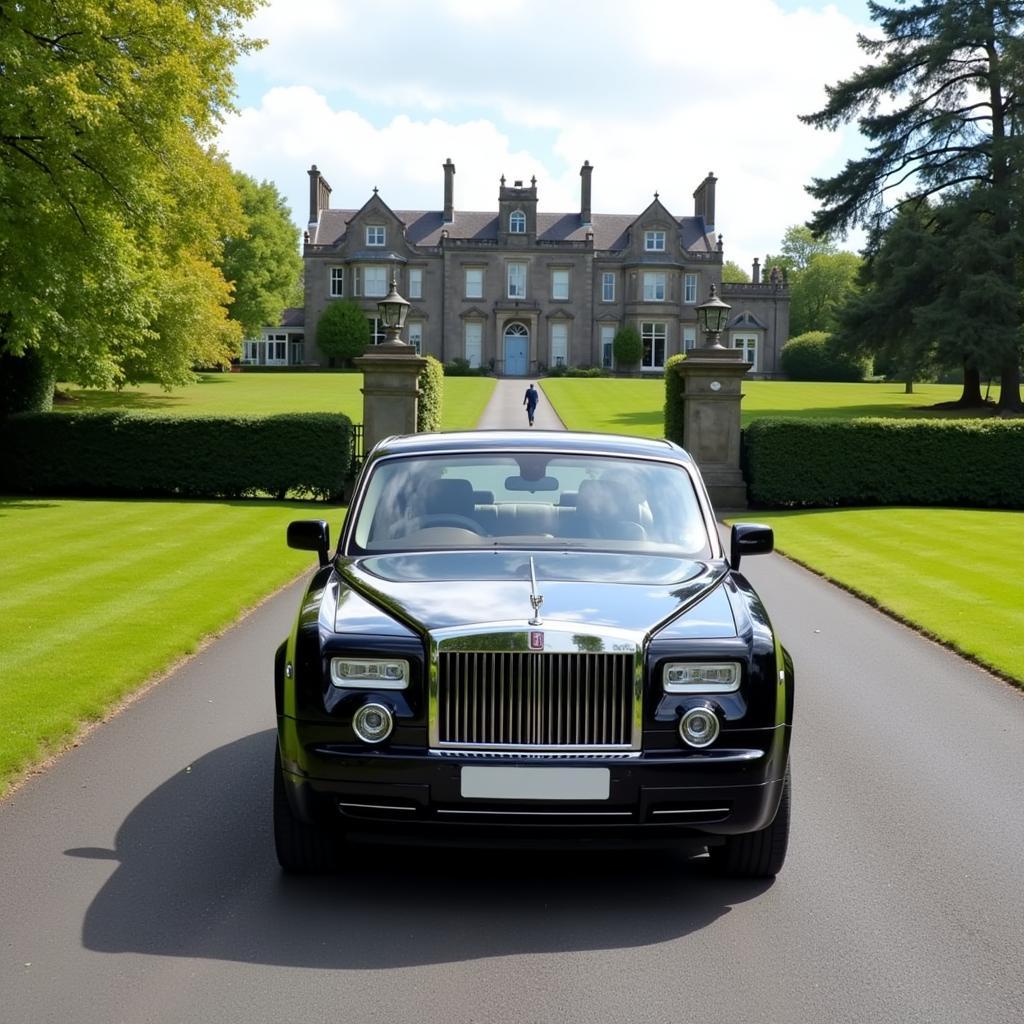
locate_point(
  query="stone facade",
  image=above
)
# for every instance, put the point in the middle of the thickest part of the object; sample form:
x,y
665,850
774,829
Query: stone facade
x,y
520,290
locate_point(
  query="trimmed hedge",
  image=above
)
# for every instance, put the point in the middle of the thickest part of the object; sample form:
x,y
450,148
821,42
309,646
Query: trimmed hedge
x,y
969,463
674,399
813,356
146,454
428,408
26,385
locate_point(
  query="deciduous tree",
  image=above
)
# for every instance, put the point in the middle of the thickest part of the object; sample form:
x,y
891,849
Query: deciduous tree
x,y
343,331
262,261
112,204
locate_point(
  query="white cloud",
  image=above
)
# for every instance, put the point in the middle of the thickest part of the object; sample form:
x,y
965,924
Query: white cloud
x,y
654,95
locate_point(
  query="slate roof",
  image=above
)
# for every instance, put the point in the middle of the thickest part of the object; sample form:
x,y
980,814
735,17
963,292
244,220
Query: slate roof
x,y
423,227
293,316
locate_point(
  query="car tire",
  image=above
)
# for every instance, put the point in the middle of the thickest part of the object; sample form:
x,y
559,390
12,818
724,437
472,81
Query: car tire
x,y
758,854
302,849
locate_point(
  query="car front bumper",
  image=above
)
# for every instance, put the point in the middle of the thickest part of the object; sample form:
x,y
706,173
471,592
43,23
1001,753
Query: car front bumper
x,y
418,795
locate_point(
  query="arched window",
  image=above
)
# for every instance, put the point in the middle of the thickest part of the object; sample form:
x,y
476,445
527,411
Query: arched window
x,y
517,222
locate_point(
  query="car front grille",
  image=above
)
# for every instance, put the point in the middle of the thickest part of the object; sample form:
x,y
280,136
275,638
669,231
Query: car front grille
x,y
536,700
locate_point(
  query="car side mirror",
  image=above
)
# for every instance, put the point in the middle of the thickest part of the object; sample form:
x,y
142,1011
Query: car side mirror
x,y
310,535
750,539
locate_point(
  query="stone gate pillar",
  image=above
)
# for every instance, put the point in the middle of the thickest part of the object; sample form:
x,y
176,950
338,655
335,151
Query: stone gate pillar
x,y
390,390
711,379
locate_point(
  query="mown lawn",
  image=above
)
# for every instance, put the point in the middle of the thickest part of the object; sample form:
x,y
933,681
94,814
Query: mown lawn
x,y
955,573
144,579
634,406
269,393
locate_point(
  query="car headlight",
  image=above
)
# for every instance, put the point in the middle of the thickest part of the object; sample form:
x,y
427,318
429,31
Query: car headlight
x,y
370,674
700,677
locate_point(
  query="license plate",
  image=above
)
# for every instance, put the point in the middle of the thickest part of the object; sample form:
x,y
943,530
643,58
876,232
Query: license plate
x,y
515,783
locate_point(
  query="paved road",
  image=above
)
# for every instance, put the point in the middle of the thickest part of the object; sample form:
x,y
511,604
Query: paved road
x,y
139,882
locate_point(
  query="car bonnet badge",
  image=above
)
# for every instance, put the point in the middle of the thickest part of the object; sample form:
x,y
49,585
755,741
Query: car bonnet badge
x,y
536,600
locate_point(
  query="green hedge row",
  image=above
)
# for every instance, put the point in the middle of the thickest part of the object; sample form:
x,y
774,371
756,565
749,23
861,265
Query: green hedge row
x,y
674,399
428,408
972,463
140,454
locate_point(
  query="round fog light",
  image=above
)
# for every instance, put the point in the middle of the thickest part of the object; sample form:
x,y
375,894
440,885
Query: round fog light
x,y
699,727
373,723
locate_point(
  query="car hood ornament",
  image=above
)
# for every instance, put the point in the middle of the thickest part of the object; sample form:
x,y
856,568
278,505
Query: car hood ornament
x,y
535,599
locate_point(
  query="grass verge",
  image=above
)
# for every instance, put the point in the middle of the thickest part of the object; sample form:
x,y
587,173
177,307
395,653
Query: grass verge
x,y
269,393
635,406
953,574
147,579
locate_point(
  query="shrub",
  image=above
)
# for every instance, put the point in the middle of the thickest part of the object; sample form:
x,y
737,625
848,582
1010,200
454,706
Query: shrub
x,y
578,371
145,454
428,409
812,356
973,463
674,399
461,368
627,347
343,331
26,385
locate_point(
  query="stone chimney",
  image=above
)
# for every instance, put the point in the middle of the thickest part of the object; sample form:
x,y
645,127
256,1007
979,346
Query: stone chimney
x,y
319,194
755,271
585,171
704,201
449,190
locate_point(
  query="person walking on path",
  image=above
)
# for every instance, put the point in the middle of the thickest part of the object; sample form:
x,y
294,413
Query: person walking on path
x,y
530,401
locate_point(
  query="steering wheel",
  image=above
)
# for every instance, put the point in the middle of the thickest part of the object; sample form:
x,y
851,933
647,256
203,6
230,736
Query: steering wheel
x,y
448,519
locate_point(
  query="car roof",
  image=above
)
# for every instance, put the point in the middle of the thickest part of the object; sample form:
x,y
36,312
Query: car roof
x,y
527,440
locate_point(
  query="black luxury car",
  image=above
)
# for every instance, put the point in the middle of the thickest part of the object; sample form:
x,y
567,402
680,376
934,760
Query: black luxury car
x,y
532,638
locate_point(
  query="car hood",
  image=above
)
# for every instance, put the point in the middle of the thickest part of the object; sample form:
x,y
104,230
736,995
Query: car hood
x,y
448,590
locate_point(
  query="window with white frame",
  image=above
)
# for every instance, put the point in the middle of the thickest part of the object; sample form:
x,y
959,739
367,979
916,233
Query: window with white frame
x,y
608,287
517,222
375,282
378,335
747,344
559,343
560,285
337,282
690,288
607,345
517,280
689,338
375,234
357,280
654,241
474,282
415,283
249,351
652,336
474,335
654,287
416,335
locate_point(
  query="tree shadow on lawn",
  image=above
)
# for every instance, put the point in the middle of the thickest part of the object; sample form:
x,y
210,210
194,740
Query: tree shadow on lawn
x,y
22,504
83,400
197,877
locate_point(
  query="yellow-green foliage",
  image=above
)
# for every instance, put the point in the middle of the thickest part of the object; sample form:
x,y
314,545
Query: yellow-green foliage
x,y
431,401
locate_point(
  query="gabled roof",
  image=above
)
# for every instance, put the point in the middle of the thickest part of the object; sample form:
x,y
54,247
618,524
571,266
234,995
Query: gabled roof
x,y
747,319
423,227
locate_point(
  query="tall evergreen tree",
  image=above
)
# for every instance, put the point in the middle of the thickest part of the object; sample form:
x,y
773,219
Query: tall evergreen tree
x,y
943,112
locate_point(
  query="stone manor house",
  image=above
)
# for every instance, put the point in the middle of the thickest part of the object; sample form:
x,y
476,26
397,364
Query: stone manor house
x,y
520,291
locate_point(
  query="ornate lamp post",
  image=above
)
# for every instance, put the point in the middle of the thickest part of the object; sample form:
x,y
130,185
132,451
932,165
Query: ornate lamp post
x,y
393,310
713,316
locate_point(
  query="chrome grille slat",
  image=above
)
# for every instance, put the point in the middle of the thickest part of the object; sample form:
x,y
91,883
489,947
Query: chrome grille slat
x,y
527,699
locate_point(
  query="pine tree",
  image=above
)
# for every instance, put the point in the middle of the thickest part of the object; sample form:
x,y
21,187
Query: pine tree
x,y
941,108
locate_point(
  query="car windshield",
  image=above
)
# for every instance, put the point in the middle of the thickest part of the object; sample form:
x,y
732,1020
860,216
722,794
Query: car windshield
x,y
538,499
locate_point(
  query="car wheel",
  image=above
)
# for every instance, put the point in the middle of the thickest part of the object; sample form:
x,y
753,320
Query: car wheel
x,y
758,854
301,849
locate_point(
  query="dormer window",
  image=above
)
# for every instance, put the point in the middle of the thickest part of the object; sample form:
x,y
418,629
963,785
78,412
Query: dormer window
x,y
375,234
517,223
654,241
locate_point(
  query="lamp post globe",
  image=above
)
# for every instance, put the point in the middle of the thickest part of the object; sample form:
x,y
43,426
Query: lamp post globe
x,y
393,310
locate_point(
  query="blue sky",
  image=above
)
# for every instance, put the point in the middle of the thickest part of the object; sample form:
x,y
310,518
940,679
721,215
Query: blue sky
x,y
653,94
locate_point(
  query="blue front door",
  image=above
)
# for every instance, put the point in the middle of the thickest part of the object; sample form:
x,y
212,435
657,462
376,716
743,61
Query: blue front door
x,y
517,347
